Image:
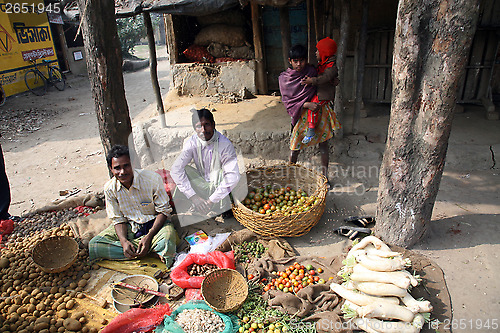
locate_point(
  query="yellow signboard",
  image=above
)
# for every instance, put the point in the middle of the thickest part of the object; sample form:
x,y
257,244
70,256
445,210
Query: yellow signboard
x,y
24,37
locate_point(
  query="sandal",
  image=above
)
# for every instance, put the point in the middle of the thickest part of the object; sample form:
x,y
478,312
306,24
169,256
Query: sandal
x,y
352,232
307,139
361,221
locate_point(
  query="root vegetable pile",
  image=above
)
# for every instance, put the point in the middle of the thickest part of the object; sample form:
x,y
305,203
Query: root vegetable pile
x,y
200,321
376,290
201,270
32,300
282,201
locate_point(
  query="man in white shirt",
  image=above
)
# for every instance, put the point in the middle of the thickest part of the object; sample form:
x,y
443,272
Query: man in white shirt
x,y
207,185
138,207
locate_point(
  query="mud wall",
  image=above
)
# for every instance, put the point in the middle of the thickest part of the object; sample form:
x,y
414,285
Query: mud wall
x,y
211,79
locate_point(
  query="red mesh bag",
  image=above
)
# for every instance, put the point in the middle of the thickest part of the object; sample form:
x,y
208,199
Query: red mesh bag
x,y
138,320
198,53
224,59
181,277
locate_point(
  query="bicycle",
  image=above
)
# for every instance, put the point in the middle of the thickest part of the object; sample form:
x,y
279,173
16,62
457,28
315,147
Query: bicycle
x,y
37,82
3,97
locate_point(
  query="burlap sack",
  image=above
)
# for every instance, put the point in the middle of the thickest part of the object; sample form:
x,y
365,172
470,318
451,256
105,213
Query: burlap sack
x,y
217,50
222,34
241,52
90,200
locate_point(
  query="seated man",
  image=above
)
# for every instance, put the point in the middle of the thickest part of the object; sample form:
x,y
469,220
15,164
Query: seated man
x,y
137,205
207,185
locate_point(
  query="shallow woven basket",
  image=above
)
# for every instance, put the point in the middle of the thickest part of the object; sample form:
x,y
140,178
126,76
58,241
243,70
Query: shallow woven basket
x,y
224,290
293,225
55,254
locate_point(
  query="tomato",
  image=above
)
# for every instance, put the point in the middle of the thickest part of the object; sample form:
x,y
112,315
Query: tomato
x,y
257,197
316,278
293,276
250,276
262,211
320,270
266,206
288,188
312,272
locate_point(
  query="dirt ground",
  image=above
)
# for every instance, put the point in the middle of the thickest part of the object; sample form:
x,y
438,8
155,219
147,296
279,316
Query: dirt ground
x,y
52,143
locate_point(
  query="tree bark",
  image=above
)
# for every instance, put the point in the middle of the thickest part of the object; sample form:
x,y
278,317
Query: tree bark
x,y
341,55
431,44
104,66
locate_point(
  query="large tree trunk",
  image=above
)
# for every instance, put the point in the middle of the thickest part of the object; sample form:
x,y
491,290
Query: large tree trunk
x,y
104,65
431,44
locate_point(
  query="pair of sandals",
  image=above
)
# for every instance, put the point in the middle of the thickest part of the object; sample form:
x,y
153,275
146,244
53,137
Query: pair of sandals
x,y
361,223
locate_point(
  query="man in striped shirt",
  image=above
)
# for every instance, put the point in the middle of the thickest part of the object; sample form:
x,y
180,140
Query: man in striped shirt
x,y
138,207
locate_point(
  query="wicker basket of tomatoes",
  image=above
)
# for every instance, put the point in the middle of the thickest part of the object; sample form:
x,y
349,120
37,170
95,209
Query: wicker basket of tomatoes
x,y
282,200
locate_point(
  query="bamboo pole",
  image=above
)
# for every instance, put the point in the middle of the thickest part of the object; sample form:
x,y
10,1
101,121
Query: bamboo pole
x,y
311,36
153,64
260,75
360,68
285,34
341,55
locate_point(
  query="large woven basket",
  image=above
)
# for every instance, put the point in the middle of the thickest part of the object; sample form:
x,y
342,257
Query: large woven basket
x,y
278,225
55,254
224,290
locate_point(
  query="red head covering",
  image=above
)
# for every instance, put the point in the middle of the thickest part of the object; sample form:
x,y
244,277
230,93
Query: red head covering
x,y
327,48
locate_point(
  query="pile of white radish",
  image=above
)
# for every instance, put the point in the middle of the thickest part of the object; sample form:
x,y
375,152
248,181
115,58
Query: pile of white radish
x,y
376,290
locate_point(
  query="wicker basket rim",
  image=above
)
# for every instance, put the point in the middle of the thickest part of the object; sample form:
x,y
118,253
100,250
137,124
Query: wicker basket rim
x,y
36,256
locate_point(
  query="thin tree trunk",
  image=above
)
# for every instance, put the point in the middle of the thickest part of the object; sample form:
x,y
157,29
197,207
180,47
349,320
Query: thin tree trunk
x,y
104,65
153,65
360,68
341,55
431,44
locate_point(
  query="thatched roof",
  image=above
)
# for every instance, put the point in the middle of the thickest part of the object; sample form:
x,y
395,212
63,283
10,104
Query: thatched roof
x,y
127,8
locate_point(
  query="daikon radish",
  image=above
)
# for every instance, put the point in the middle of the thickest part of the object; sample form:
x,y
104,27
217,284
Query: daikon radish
x,y
380,289
382,264
419,321
362,274
414,279
386,311
380,326
383,254
362,324
377,243
358,298
414,305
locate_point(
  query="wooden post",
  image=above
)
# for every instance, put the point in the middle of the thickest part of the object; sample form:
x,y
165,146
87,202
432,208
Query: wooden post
x,y
260,70
360,68
153,64
64,46
172,50
316,19
311,36
341,55
285,34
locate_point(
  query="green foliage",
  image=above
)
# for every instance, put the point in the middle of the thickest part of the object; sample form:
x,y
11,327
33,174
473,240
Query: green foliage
x,y
130,32
132,29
